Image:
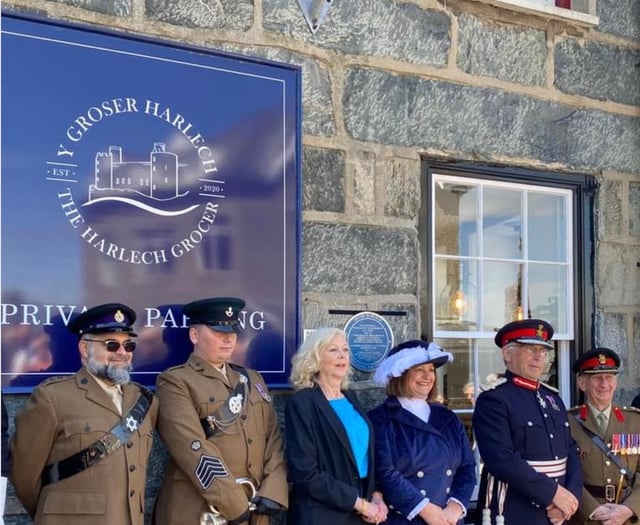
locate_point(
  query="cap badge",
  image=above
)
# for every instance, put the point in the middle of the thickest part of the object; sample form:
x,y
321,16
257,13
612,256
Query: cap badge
x,y
540,331
119,316
229,312
602,359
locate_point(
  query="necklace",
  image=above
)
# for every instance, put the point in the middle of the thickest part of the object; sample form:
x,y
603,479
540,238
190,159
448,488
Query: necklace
x,y
331,393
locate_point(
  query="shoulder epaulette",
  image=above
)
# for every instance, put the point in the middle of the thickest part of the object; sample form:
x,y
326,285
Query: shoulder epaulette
x,y
552,388
630,409
574,409
493,381
176,367
56,379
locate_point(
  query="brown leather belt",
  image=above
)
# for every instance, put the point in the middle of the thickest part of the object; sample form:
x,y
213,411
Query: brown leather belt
x,y
608,492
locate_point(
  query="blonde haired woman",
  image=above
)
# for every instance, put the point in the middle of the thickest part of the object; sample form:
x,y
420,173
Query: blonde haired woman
x,y
329,439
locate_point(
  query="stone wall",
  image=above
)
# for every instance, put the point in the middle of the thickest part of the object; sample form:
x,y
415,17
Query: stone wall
x,y
388,83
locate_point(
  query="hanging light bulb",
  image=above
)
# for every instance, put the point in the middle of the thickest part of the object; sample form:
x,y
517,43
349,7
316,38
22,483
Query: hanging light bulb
x,y
459,303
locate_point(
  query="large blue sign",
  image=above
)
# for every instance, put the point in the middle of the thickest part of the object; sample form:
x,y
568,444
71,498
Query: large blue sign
x,y
146,173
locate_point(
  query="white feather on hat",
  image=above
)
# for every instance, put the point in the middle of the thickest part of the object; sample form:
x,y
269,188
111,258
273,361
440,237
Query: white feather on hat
x,y
398,363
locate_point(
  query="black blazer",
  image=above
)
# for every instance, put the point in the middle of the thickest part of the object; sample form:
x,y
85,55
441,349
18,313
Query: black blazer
x,y
322,468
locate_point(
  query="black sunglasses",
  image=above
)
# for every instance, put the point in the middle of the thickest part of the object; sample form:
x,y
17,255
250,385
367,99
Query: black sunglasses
x,y
112,345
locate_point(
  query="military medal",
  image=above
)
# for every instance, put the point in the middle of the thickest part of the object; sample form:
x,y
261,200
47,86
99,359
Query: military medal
x,y
542,402
615,443
623,444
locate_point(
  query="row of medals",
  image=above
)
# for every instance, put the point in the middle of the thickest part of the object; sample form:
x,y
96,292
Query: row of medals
x,y
625,444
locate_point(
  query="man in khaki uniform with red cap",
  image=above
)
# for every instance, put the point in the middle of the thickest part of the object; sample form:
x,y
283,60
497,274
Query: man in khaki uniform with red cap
x,y
608,437
220,428
81,444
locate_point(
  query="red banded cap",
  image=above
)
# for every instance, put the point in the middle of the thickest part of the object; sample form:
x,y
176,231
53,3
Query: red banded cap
x,y
525,331
597,361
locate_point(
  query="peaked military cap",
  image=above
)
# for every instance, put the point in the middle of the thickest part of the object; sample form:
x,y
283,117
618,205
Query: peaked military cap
x,y
597,361
104,318
525,331
219,313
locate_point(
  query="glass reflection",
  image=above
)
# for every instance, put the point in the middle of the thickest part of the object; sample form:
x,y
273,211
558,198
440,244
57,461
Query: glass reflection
x,y
502,301
502,223
456,216
548,292
546,228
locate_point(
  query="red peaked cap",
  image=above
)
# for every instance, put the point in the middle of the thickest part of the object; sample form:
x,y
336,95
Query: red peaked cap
x,y
525,331
597,361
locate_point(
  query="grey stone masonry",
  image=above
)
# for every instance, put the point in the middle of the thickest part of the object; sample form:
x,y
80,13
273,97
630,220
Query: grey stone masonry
x,y
634,211
323,179
620,17
599,71
618,285
610,208
316,86
512,53
221,14
359,260
410,111
382,28
402,188
115,7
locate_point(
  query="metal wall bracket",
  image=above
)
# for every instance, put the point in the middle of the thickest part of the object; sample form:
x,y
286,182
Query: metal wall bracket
x,y
315,11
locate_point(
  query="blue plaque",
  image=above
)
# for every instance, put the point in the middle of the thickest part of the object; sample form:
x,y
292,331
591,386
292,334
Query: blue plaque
x,y
370,339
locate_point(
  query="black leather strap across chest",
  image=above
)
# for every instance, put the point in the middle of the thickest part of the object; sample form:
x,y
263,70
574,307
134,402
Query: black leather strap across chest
x,y
106,445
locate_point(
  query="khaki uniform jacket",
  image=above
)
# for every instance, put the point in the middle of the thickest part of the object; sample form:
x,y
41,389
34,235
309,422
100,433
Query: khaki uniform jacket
x,y
597,469
64,416
201,471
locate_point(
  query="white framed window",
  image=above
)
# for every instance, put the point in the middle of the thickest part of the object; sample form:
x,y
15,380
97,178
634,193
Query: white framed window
x,y
501,244
578,12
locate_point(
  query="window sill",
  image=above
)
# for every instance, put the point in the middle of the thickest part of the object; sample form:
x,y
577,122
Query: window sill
x,y
570,16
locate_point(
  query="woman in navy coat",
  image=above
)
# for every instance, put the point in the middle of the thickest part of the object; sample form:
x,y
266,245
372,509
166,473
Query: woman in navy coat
x,y
424,462
329,440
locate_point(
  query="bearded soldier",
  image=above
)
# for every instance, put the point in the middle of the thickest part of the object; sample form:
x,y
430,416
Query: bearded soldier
x,y
220,428
81,444
608,437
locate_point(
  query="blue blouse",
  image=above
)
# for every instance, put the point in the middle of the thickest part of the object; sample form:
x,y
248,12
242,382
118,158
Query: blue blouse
x,y
357,431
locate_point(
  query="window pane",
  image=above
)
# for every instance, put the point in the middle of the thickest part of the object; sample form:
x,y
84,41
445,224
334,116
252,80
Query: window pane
x,y
502,223
547,227
457,385
456,212
548,294
502,294
456,299
490,361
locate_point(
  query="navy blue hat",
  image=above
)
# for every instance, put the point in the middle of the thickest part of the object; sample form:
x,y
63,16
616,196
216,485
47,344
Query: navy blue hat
x,y
597,361
219,313
105,318
525,331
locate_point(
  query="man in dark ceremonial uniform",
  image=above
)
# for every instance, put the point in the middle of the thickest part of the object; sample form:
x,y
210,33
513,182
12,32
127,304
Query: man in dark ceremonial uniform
x,y
608,438
531,471
81,443
219,426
